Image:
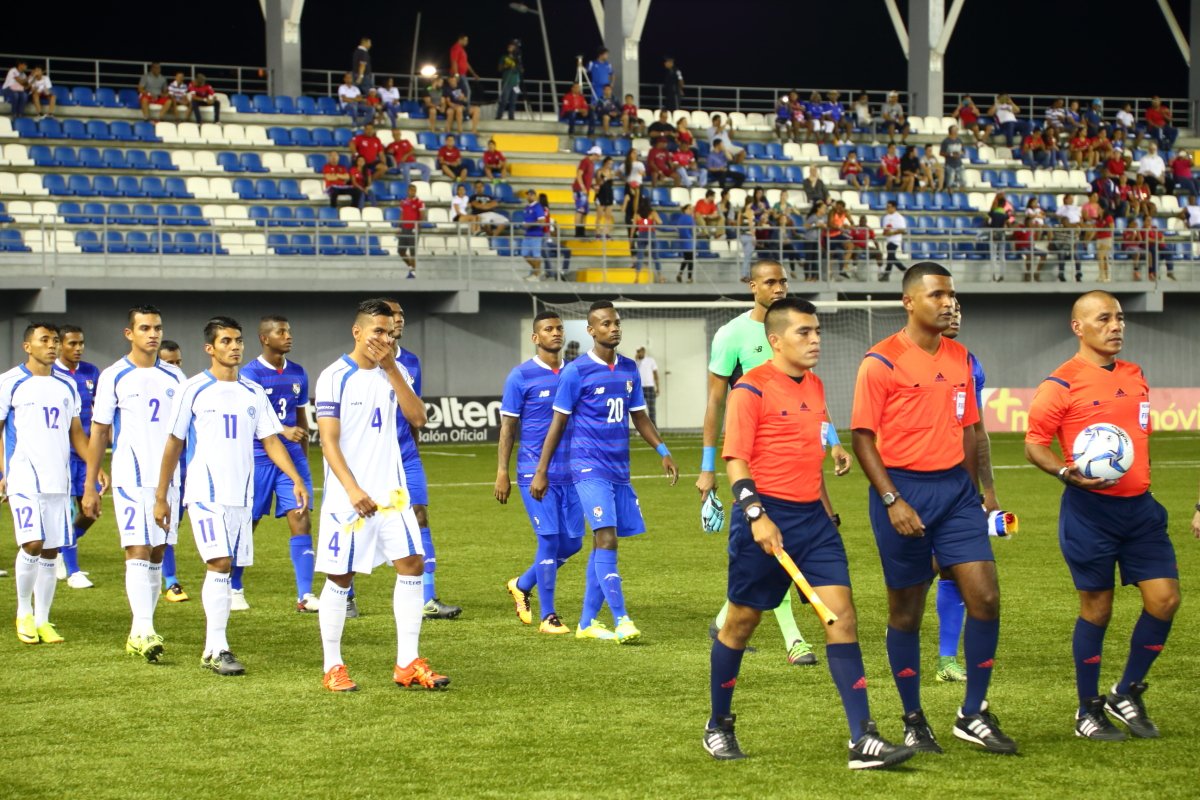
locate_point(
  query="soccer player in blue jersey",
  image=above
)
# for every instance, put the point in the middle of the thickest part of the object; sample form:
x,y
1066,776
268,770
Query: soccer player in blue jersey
x,y
70,364
286,385
169,352
414,472
599,393
557,519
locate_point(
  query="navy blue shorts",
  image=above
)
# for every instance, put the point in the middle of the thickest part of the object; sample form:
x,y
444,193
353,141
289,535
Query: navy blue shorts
x,y
558,512
955,526
757,580
271,482
611,505
79,476
1098,531
414,477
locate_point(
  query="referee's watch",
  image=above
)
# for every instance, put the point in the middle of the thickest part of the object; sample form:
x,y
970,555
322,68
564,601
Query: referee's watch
x,y
753,513
889,498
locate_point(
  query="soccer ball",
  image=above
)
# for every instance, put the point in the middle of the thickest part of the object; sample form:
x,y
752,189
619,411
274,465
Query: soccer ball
x,y
1103,451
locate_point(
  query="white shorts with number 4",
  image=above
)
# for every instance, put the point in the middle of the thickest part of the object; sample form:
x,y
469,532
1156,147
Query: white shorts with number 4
x,y
223,532
135,517
42,518
350,543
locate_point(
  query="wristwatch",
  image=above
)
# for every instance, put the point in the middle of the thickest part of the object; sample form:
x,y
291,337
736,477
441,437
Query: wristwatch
x,y
889,498
1198,506
754,512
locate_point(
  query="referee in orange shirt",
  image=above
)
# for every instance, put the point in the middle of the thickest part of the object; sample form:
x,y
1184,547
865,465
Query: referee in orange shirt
x,y
913,427
775,426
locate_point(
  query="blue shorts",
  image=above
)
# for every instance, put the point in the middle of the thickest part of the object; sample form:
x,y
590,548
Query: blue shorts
x,y
1098,531
581,202
757,580
270,481
531,246
79,476
414,477
558,512
611,505
955,526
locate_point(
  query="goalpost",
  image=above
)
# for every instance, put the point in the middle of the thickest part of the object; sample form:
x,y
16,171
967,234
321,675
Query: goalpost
x,y
678,335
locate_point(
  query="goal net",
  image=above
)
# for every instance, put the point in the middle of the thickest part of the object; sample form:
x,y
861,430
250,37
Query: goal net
x,y
678,336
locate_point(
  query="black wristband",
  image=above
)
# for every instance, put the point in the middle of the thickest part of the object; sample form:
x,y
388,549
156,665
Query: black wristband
x,y
836,519
745,493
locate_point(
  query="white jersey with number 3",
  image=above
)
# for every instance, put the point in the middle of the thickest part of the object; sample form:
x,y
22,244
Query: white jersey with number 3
x,y
136,402
220,420
37,413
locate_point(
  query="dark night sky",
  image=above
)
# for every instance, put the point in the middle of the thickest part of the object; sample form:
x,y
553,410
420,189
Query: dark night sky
x,y
847,44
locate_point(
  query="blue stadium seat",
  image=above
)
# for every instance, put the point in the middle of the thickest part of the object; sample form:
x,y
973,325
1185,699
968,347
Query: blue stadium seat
x,y
75,129
972,153
11,241
581,146
342,136
351,245
177,188
279,243
413,109
375,248
774,173
302,137
289,189
111,158
26,128
620,147
303,244
128,186
661,196
281,216
229,161
962,203
140,214
50,128
144,131
152,187
114,242
241,103
284,104
316,161
252,162
306,105
469,141
107,98
262,104
139,242
267,189
122,131
504,193
1048,202
328,217
70,212
4,216
793,174
105,186
322,137
86,241
754,173
187,245
128,98
756,150
137,159
210,243
305,216
326,246
260,215
281,137
84,96
775,151
328,106
79,185
42,155
114,214
191,214
169,214
161,160
162,242
98,129
65,156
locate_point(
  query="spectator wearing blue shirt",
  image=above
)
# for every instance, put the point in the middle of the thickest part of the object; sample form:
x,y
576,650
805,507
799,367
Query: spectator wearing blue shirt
x,y
534,218
716,168
607,112
600,74
843,128
685,232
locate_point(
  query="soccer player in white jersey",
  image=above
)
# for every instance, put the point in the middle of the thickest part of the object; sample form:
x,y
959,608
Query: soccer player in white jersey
x,y
219,416
134,398
40,415
366,513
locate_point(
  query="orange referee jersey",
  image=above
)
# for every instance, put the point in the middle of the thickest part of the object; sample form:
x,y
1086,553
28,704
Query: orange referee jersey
x,y
777,425
1080,393
916,404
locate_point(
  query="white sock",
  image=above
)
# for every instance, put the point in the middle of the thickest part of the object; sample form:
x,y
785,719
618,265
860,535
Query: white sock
x,y
136,571
215,596
43,590
154,587
407,601
331,614
25,573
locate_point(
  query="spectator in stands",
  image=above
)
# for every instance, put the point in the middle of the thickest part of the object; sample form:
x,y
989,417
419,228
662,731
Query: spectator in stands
x,y
1120,145
1113,194
1158,124
495,165
933,175
41,91
684,139
889,169
716,168
585,174
510,69
1074,120
370,147
607,112
862,114
629,205
412,213
1026,241
910,169
534,218
662,130
1190,214
201,94
684,162
894,227
1033,151
178,92
729,214
436,103
460,65
1134,245
852,172
672,85
360,66
723,131
1125,121
460,207
1056,117
745,233
605,177
1079,151
952,150
1093,119
783,116
402,159
354,104
861,242
1090,211
600,72
1103,227
1180,176
837,239
1138,195
362,178
152,89
967,115
1151,167
709,220
450,160
804,116
632,169
483,207
16,88
1069,239
999,219
685,239
389,101
1004,113
815,226
575,110
814,187
631,123
458,106
1102,147
893,119
644,225
659,164
555,247
782,208
832,110
1153,237
337,182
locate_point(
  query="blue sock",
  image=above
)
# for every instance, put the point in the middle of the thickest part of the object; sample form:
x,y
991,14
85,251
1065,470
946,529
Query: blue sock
x,y
303,563
904,656
168,567
235,578
1087,644
1149,636
70,559
568,546
980,638
724,664
593,597
351,594
850,678
950,611
610,581
546,566
430,565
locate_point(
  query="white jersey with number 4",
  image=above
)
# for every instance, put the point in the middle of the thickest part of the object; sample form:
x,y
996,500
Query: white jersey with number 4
x,y
37,413
136,402
365,403
220,420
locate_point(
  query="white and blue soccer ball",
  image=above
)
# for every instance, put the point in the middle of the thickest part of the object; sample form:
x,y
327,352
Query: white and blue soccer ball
x,y
1103,451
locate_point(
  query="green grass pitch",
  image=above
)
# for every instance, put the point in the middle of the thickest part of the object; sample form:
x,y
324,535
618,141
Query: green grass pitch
x,y
534,716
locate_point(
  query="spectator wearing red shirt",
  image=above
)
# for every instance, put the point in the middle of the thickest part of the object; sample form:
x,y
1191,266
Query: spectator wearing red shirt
x,y
1139,195
337,182
412,212
709,220
403,160
1115,164
1104,226
370,147
582,188
360,178
659,164
1180,176
852,172
889,169
1158,124
685,167
861,240
460,65
631,123
1079,150
968,115
1153,237
575,110
450,160
495,165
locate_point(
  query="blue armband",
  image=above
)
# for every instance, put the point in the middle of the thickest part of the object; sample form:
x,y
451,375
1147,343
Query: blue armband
x,y
831,437
662,449
708,459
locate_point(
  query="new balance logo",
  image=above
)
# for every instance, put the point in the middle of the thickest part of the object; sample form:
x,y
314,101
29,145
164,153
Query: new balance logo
x,y
729,684
599,390
991,662
861,683
1092,660
907,672
544,393
1120,393
940,378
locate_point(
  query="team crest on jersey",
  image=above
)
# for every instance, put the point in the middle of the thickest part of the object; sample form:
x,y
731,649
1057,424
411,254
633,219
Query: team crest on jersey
x,y
170,392
295,388
90,385
628,387
250,411
597,512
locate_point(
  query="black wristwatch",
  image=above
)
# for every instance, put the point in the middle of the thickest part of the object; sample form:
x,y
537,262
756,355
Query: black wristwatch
x,y
889,498
754,512
836,519
1198,506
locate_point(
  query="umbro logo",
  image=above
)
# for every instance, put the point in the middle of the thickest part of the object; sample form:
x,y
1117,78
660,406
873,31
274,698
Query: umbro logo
x,y
599,390
544,393
940,378
1120,393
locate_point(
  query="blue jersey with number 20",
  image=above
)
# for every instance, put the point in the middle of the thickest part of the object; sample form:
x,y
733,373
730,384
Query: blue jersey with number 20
x,y
599,397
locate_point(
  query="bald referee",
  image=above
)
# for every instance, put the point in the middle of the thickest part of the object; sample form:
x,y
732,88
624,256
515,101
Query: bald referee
x,y
775,427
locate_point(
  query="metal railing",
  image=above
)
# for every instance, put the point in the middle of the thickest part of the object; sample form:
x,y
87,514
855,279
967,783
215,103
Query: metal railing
x,y
118,74
1033,106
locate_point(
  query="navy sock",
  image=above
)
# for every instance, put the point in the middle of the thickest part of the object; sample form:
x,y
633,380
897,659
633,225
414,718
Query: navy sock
x,y
70,557
168,566
593,597
904,656
235,578
1149,636
980,638
950,611
546,566
303,563
430,564
724,664
609,581
1087,644
849,676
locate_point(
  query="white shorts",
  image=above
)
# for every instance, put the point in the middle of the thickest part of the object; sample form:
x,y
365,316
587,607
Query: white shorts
x,y
135,517
349,543
44,518
492,218
223,532
825,125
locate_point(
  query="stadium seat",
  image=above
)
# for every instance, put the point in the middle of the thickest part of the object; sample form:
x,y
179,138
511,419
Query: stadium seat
x,y
326,246
245,189
230,162
256,136
282,216
141,131
11,241
161,160
127,186
294,163
82,96
322,137
251,162
342,137
107,98
114,242
98,129
105,186
280,137
260,215
209,243
16,155
302,243
75,129
184,243
128,98
351,245
66,157
86,241
327,217
111,158
139,214
241,103
328,106
305,216
26,128
152,187
302,137
177,188
262,104
42,155
50,128
284,105
289,189
70,212
306,105
139,242
79,185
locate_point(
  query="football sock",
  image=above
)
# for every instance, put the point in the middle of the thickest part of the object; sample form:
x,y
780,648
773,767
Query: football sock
x,y
980,638
303,561
724,665
427,580
904,656
546,565
25,575
787,621
153,584
406,605
43,590
1087,644
235,578
168,566
332,618
215,596
721,615
593,597
70,556
849,676
137,575
1149,636
609,581
568,546
950,612
529,578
